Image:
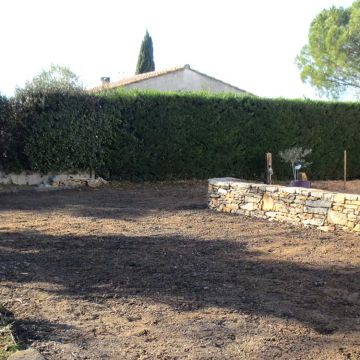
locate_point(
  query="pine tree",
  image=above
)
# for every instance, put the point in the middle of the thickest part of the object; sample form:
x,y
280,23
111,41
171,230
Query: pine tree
x,y
146,57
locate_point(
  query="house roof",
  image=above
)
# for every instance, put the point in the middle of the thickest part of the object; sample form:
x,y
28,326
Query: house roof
x,y
154,74
138,78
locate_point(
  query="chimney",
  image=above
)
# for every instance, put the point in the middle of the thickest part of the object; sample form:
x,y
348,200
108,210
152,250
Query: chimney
x,y
105,81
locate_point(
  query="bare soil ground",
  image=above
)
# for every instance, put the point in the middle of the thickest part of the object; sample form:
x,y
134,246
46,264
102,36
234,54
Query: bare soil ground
x,y
351,187
147,272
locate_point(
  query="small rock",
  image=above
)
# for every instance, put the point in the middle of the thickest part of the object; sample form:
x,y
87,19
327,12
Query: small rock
x,y
29,354
222,191
94,183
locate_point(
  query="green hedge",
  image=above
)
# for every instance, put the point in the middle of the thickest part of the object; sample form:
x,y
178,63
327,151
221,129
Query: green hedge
x,y
156,136
179,136
66,132
5,129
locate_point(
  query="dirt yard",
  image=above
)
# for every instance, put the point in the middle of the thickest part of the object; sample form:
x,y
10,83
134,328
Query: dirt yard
x,y
351,187
147,272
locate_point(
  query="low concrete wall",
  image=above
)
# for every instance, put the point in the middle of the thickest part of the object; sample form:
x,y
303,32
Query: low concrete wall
x,y
25,178
325,210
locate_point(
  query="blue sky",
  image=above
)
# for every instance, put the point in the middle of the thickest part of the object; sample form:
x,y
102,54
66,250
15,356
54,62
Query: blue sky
x,y
250,44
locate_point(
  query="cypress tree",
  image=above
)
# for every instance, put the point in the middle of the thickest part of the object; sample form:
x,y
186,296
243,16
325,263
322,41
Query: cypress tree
x,y
146,57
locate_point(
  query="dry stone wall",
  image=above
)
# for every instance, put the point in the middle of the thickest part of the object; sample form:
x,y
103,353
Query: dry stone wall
x,y
325,210
32,178
51,181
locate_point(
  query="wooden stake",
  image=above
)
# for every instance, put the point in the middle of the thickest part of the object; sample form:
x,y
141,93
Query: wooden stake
x,y
345,168
268,167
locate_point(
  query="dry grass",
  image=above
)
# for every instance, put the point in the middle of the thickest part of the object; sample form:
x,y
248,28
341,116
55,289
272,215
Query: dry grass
x,y
8,344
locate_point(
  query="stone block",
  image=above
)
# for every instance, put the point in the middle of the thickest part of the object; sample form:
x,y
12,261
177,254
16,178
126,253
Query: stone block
x,y
338,208
213,202
240,186
352,217
222,191
253,198
352,202
249,206
354,207
270,214
295,211
288,190
339,198
288,200
318,203
329,196
232,207
326,228
267,203
314,222
221,181
317,194
297,206
314,210
280,208
272,188
299,201
337,218
352,197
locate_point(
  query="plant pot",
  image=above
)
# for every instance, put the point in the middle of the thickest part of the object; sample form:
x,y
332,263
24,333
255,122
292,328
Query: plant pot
x,y
301,183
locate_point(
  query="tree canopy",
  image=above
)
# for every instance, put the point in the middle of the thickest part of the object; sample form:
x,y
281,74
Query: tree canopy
x,y
55,79
330,61
146,56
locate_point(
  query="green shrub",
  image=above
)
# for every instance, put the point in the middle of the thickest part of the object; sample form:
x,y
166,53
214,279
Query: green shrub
x,y
9,154
64,131
5,131
157,136
189,135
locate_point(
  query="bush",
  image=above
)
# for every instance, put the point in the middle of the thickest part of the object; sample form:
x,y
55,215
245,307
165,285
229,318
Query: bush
x,y
187,135
157,136
62,131
8,153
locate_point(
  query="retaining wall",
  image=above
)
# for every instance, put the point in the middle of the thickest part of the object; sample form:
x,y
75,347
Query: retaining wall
x,y
27,178
325,210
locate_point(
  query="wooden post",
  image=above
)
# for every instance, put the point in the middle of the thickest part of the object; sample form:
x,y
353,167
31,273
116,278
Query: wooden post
x,y
345,168
268,167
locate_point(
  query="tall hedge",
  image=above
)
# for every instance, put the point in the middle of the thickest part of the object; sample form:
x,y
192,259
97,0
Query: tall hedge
x,y
156,136
6,130
62,131
177,136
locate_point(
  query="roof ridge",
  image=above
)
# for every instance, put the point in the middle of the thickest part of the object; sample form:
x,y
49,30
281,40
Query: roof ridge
x,y
139,77
152,74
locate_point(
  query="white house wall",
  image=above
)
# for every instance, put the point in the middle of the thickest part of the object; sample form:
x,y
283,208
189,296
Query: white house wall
x,y
184,80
